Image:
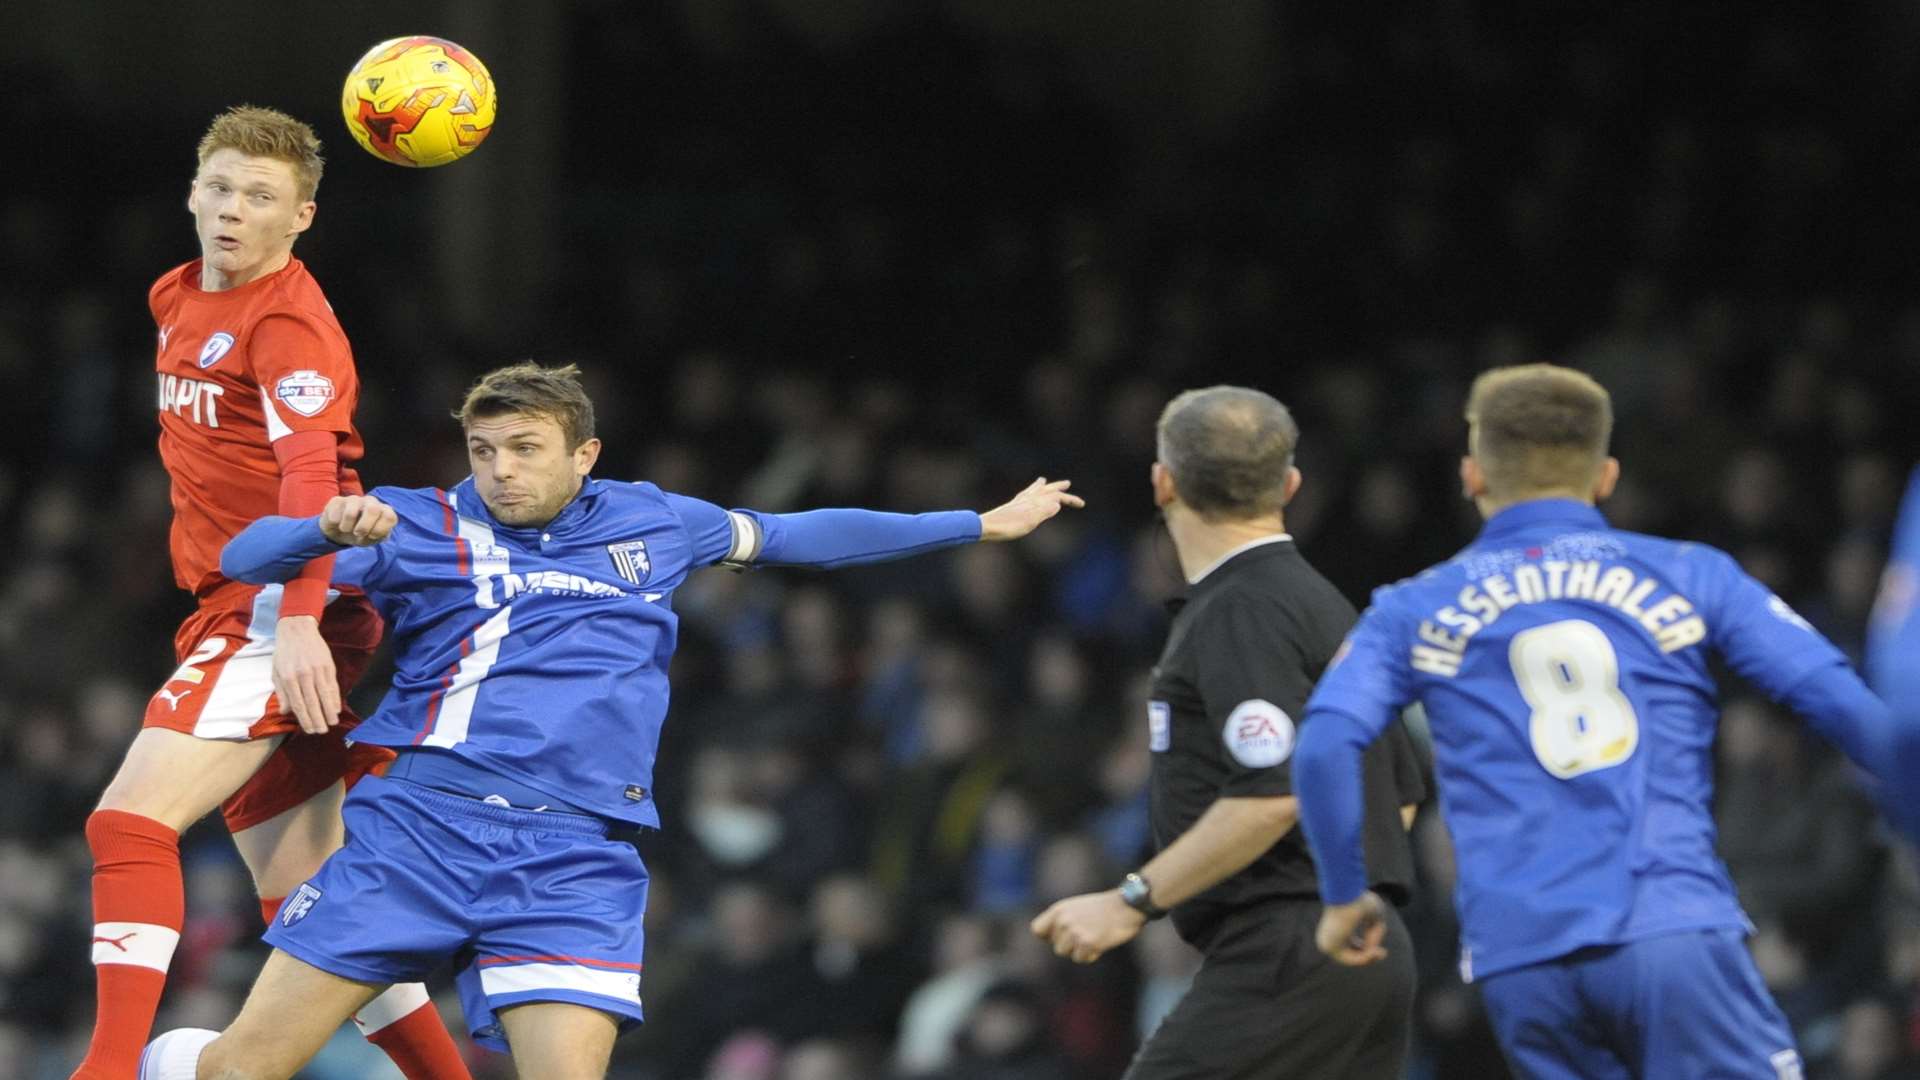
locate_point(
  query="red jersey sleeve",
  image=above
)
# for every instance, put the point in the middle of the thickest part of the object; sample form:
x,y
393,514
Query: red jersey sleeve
x,y
306,376
309,476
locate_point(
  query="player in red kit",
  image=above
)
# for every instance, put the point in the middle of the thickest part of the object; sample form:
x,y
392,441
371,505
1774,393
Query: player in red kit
x,y
256,391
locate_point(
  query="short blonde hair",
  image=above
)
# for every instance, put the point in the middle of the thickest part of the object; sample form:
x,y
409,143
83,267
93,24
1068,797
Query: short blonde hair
x,y
528,388
1538,428
268,133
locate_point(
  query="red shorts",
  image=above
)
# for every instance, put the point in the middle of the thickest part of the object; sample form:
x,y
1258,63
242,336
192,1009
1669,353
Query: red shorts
x,y
223,689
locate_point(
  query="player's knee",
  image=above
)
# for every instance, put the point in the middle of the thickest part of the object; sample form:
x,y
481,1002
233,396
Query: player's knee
x,y
111,832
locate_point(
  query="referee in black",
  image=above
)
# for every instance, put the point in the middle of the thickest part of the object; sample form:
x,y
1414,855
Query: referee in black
x,y
1257,626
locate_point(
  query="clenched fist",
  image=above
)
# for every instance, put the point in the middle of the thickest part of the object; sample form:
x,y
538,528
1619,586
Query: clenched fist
x,y
357,520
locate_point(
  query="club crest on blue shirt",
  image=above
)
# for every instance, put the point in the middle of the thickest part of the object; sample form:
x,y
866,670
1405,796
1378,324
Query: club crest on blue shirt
x,y
298,905
630,558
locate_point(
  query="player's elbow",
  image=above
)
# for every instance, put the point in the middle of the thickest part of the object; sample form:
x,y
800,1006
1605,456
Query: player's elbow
x,y
1280,815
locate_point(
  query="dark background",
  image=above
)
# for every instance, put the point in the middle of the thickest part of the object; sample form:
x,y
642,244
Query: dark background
x,y
909,255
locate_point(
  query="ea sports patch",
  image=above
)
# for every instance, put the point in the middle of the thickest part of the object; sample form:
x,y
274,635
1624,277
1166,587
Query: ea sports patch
x,y
305,392
215,348
298,904
1259,734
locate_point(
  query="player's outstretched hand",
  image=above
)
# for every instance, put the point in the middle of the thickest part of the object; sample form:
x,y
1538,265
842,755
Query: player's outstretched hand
x,y
1082,928
303,674
357,520
1024,512
1351,933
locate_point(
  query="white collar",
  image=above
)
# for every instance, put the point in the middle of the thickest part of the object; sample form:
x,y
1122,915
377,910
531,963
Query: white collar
x,y
1248,546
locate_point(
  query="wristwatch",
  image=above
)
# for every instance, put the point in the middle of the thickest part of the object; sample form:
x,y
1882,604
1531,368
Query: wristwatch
x,y
1138,895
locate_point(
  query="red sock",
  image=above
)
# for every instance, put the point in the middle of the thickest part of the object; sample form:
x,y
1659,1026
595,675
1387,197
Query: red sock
x,y
138,905
403,1023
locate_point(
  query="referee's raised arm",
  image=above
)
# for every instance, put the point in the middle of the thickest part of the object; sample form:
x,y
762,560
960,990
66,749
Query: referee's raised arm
x,y
1256,628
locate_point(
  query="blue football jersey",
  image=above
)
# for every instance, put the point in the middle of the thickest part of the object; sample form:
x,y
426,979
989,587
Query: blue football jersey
x,y
538,654
1563,666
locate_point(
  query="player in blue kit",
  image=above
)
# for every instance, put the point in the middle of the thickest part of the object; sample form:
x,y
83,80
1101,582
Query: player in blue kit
x,y
1563,667
1893,649
531,608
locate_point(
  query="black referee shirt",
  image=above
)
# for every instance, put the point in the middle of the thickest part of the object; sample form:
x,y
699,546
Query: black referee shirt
x,y
1229,693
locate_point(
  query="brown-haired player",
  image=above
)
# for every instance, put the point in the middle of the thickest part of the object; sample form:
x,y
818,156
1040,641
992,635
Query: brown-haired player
x,y
534,628
256,390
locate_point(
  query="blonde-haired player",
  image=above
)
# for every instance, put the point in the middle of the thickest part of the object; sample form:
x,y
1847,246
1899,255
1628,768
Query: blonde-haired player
x,y
256,391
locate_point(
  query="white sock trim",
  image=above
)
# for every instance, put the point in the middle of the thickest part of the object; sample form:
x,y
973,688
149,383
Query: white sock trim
x,y
146,945
394,1003
176,1054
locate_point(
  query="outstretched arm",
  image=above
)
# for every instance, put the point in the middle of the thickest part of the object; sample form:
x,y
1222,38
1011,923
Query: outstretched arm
x,y
834,538
276,548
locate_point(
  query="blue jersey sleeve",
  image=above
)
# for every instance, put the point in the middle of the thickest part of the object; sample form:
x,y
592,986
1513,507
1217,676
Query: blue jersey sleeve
x,y
1770,645
1360,694
820,538
276,548
1893,638
1759,636
711,528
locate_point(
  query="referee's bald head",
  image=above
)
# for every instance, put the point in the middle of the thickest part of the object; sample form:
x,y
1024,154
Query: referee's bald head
x,y
1229,450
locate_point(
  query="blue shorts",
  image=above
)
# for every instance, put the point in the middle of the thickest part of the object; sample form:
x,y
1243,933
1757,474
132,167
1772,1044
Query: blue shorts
x,y
1683,1005
529,905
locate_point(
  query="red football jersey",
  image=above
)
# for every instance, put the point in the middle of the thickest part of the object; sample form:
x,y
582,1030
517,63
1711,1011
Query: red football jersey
x,y
239,369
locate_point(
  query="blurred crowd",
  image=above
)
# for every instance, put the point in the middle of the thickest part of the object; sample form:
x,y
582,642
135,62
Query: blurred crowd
x,y
915,271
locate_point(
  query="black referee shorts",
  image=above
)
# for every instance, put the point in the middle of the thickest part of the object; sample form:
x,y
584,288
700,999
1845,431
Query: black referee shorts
x,y
1268,1005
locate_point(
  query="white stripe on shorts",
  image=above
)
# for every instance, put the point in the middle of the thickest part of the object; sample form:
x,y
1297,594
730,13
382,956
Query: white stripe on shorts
x,y
240,693
523,978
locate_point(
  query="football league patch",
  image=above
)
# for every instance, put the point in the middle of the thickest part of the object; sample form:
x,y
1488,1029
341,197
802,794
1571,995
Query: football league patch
x,y
305,392
215,348
298,904
1259,734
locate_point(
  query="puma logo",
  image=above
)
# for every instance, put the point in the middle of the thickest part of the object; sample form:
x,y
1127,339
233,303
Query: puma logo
x,y
173,699
115,942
